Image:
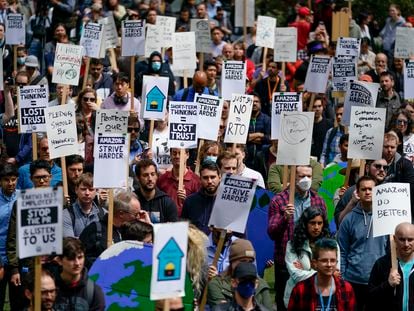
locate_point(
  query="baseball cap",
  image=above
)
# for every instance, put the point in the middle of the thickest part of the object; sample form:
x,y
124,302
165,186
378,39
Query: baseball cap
x,y
241,248
245,270
31,61
304,11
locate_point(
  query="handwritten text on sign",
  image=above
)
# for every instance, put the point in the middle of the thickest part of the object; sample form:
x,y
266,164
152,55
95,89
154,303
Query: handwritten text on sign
x,y
239,118
366,133
390,207
67,64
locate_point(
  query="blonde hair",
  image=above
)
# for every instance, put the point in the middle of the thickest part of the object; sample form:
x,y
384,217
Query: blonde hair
x,y
196,258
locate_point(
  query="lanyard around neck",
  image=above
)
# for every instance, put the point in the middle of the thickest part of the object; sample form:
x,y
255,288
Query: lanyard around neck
x,y
323,307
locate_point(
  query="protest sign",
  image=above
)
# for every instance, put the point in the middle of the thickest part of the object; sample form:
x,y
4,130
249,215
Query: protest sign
x,y
182,125
285,49
239,118
391,206
240,14
166,26
91,39
152,40
68,60
295,138
366,132
33,99
318,73
169,259
39,222
133,38
184,51
233,201
111,160
282,102
209,115
180,73
154,97
110,32
348,47
233,78
111,121
265,35
15,29
201,27
344,70
61,130
404,42
409,79
361,94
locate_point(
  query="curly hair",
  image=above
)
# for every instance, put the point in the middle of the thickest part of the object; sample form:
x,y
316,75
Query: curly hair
x,y
301,234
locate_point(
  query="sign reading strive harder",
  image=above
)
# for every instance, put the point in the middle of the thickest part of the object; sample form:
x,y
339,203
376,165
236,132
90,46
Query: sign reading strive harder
x,y
39,222
15,29
133,38
209,115
318,73
233,201
91,39
182,125
233,78
390,207
282,102
68,61
33,100
239,117
366,133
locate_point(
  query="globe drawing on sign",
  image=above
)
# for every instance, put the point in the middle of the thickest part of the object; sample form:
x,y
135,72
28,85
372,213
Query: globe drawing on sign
x,y
295,128
124,273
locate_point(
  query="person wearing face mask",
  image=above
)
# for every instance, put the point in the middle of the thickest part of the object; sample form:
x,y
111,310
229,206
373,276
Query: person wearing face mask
x,y
244,282
281,221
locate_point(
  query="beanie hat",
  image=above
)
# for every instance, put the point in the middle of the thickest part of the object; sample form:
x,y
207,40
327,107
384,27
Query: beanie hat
x,y
241,248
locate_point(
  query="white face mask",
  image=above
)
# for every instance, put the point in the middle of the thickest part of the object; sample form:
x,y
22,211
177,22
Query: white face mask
x,y
305,183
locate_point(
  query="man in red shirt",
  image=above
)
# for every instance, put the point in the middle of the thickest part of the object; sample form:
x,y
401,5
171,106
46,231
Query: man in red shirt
x,y
303,27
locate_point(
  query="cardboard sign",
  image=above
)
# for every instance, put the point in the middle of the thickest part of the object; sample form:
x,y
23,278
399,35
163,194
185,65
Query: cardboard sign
x,y
184,51
233,78
318,74
33,100
286,44
110,32
404,42
209,115
68,61
15,29
295,138
348,47
133,38
166,25
111,121
182,125
201,27
360,94
283,102
91,39
111,151
61,130
240,19
265,35
391,206
152,40
154,97
239,118
169,259
366,133
39,222
409,79
233,201
344,70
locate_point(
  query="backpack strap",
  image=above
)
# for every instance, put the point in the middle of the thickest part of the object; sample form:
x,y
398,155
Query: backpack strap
x,y
72,215
98,236
90,288
37,80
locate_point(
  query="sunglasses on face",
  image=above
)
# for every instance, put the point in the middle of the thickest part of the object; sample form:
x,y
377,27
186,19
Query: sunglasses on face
x,y
89,99
380,166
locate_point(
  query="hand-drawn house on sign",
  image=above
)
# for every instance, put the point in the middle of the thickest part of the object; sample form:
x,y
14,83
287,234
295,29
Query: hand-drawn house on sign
x,y
170,258
155,100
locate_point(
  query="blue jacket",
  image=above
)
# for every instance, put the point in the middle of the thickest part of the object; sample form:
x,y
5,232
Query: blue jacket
x,y
6,206
24,181
359,249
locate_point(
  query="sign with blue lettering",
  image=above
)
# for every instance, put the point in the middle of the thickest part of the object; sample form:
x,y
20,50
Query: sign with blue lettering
x,y
169,260
209,115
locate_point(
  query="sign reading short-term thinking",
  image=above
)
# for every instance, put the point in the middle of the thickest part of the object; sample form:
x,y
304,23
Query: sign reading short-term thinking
x,y
33,99
182,125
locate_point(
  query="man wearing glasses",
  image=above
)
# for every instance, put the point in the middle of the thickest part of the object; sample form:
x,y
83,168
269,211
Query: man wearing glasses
x,y
48,291
102,82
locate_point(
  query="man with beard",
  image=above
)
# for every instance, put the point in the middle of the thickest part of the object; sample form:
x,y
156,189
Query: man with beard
x,y
48,291
197,207
157,203
74,169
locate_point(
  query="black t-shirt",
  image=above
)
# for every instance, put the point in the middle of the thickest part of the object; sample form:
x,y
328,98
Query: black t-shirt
x,y
332,305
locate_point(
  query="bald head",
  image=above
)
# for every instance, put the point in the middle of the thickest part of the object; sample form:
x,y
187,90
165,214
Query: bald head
x,y
228,51
404,241
199,81
381,62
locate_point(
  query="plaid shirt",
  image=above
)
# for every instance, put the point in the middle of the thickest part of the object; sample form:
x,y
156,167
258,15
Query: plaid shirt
x,y
279,229
304,296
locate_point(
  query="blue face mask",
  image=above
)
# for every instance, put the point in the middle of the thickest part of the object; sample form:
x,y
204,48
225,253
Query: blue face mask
x,y
156,66
246,289
211,158
20,60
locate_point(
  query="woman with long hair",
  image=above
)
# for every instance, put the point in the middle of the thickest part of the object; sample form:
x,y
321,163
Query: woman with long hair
x,y
402,124
310,227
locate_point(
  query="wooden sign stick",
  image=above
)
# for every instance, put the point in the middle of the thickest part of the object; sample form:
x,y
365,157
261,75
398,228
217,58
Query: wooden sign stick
x,y
182,170
285,176
85,75
37,284
110,217
151,133
132,83
292,185
63,159
198,164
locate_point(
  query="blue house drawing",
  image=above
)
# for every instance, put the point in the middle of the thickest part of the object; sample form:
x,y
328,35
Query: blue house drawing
x,y
169,261
155,100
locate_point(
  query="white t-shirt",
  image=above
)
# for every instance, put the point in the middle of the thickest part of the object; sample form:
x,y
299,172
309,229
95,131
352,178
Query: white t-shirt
x,y
248,172
160,150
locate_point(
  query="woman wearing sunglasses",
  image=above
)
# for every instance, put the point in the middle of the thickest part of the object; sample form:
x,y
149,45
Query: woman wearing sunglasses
x,y
401,123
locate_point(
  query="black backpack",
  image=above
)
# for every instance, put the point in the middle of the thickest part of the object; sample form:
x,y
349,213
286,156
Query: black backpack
x,y
39,27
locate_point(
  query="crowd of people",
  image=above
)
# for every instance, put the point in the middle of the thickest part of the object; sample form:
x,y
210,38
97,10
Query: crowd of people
x,y
317,265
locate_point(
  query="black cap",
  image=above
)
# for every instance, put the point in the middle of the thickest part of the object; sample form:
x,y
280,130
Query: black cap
x,y
245,270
